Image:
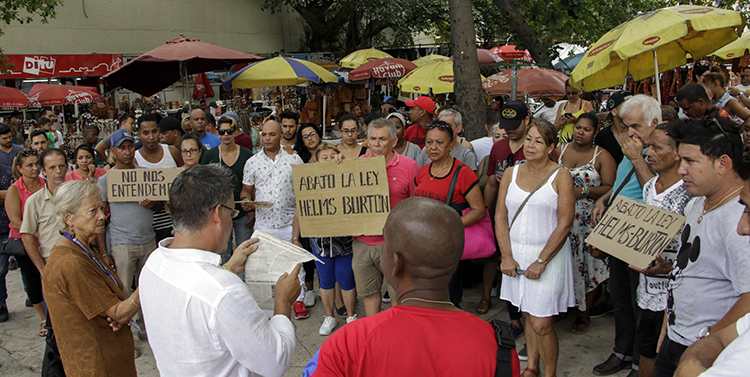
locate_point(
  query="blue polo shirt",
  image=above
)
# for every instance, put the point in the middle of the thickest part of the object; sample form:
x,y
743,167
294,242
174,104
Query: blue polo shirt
x,y
632,189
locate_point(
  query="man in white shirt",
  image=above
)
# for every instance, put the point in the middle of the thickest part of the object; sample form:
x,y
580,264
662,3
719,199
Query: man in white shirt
x,y
548,111
201,318
723,353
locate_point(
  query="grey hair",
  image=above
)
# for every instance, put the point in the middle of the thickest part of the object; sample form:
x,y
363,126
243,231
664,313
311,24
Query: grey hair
x,y
196,192
650,108
379,123
457,117
70,196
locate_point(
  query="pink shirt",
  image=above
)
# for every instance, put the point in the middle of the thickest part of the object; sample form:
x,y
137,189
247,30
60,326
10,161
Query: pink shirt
x,y
23,195
401,171
74,175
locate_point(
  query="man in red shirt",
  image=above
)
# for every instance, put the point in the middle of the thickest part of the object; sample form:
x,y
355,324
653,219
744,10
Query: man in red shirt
x,y
401,171
424,335
514,119
421,112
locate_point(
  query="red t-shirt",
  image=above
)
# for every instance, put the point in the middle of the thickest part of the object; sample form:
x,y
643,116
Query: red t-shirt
x,y
244,141
501,158
437,188
410,341
416,134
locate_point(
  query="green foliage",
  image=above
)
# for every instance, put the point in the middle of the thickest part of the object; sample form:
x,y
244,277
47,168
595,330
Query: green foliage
x,y
24,11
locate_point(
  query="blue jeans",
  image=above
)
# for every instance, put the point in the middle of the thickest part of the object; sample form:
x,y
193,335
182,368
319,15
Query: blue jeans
x,y
241,232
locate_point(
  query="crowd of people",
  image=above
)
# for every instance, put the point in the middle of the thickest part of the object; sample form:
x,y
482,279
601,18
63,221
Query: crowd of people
x,y
103,277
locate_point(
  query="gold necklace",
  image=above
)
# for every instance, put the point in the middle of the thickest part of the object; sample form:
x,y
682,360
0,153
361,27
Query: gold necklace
x,y
426,301
721,202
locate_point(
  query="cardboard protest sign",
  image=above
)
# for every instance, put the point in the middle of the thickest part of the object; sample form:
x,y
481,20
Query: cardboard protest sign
x,y
350,198
635,232
135,185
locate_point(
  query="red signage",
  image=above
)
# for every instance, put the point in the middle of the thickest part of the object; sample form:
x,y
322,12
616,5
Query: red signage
x,y
49,66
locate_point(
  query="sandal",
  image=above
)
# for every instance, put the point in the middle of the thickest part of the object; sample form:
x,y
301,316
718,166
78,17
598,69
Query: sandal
x,y
42,329
528,371
484,306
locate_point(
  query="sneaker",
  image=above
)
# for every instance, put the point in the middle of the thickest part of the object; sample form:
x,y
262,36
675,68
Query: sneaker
x,y
611,366
523,354
341,312
309,299
351,319
5,316
329,323
300,311
12,264
386,298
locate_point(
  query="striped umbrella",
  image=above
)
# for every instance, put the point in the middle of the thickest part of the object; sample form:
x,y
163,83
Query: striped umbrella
x,y
279,71
359,57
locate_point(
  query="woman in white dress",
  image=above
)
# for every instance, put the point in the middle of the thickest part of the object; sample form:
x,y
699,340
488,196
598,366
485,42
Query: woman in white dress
x,y
535,253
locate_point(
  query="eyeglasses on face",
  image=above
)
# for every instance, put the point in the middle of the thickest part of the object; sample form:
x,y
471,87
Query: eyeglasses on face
x,y
226,131
235,212
190,151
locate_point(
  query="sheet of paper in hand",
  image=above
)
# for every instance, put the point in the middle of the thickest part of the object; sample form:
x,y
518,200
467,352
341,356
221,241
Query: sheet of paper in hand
x,y
273,258
346,199
135,185
635,232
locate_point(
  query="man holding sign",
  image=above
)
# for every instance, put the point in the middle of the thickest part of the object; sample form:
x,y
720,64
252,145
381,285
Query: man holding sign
x,y
130,232
401,172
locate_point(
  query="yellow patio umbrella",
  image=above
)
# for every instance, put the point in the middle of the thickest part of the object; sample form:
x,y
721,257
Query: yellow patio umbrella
x,y
280,71
436,77
655,42
431,58
735,49
359,57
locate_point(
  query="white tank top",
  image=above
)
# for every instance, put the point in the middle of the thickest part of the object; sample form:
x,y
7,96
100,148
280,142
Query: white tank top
x,y
167,161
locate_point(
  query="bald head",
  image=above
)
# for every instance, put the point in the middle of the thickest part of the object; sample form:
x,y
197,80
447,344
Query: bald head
x,y
270,136
198,119
426,237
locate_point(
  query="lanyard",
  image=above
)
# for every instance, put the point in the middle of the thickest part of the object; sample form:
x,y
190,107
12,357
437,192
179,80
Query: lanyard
x,y
90,254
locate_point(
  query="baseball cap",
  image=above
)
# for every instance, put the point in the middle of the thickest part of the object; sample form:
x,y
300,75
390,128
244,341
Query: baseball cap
x,y
170,123
423,102
616,99
120,136
512,114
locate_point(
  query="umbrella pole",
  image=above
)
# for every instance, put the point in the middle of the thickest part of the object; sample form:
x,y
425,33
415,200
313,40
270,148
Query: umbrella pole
x,y
324,114
656,76
513,81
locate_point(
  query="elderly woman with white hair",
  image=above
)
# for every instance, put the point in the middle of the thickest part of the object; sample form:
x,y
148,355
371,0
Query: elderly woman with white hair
x,y
86,303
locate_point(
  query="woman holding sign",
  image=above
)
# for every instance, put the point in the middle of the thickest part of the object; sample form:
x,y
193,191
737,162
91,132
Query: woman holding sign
x,y
445,176
535,208
593,171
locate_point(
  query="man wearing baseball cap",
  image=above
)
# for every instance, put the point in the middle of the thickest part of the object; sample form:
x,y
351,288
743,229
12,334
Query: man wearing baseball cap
x,y
421,112
130,232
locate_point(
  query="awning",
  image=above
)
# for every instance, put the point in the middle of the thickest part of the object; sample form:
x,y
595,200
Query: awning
x,y
48,66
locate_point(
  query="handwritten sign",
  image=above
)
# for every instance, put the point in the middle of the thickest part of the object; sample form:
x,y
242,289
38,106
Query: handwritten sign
x,y
135,185
346,199
635,232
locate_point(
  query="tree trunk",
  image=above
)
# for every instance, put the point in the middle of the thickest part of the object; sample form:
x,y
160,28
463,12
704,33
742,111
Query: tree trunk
x,y
467,83
525,34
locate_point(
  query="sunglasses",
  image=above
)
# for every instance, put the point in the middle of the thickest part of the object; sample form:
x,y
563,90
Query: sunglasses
x,y
227,131
439,124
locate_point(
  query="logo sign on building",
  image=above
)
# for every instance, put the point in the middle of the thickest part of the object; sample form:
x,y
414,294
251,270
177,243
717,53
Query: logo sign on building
x,y
47,66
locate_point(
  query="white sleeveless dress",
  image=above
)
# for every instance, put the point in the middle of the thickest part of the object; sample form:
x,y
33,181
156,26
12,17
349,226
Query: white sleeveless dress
x,y
553,292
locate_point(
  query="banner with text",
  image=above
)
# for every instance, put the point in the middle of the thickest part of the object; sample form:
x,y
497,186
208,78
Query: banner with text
x,y
350,198
135,185
635,232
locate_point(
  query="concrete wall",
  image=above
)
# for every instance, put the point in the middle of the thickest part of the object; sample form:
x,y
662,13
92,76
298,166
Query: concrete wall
x,y
135,26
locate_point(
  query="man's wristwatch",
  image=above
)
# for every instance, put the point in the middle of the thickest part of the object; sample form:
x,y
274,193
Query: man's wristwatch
x,y
541,261
704,332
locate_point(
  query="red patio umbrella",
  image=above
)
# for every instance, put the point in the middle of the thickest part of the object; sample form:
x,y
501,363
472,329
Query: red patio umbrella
x,y
384,68
531,81
168,63
508,52
12,98
50,94
484,56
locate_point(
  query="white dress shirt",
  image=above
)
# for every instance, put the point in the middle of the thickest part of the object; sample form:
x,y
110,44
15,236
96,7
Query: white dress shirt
x,y
202,320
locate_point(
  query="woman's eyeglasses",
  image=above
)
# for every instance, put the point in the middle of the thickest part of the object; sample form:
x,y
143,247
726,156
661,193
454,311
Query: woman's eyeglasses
x,y
190,151
226,131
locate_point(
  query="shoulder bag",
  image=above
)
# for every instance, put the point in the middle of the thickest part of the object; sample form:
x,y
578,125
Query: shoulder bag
x,y
479,238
